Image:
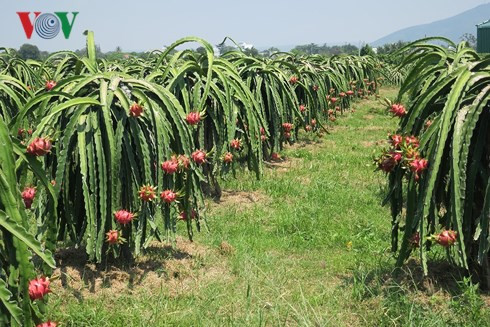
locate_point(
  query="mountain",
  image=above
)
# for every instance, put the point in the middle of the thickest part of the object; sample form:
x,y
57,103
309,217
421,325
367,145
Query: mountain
x,y
452,28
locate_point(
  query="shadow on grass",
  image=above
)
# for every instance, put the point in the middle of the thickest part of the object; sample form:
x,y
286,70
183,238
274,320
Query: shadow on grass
x,y
77,273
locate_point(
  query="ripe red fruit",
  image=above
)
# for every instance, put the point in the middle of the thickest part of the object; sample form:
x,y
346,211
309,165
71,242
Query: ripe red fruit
x,y
135,110
170,166
50,85
398,110
412,140
193,118
183,215
20,132
275,156
147,193
262,131
418,166
28,196
236,144
342,94
228,158
446,238
428,123
302,108
168,196
184,162
337,109
308,128
350,93
293,80
396,140
387,163
313,122
287,127
39,146
397,156
263,138
38,288
112,237
48,323
415,240
123,217
199,157
333,100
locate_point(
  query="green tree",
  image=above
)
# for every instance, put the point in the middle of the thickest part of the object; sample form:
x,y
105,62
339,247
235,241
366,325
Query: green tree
x,y
366,50
29,51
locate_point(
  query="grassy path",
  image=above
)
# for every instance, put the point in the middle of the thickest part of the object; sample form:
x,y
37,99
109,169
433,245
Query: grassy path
x,y
306,245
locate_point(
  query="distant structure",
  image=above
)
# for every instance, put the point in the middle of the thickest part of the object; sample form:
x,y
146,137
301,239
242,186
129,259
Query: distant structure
x,y
483,37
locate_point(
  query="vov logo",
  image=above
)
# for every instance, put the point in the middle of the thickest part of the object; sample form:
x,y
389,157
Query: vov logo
x,y
47,25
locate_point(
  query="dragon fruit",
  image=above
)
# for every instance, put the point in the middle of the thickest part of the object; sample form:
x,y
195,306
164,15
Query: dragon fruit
x,y
147,193
38,288
168,196
193,118
228,158
40,146
28,195
199,157
50,85
170,166
135,110
123,217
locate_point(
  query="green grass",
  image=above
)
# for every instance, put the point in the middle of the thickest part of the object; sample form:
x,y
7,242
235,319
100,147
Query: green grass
x,y
311,248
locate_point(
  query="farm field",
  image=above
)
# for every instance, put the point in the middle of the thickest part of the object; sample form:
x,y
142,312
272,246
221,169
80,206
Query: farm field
x,y
306,245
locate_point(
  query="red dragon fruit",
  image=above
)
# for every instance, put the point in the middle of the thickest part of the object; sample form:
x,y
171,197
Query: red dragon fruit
x,y
313,122
184,162
199,157
333,100
396,140
183,215
412,141
112,237
193,118
135,110
308,128
170,166
168,196
147,193
293,80
350,93
287,127
228,158
415,240
48,323
302,108
50,85
38,288
398,110
28,195
236,144
275,156
342,94
417,166
123,217
446,238
39,146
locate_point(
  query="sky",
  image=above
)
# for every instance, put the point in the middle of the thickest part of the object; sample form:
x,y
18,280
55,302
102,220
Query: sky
x,y
139,25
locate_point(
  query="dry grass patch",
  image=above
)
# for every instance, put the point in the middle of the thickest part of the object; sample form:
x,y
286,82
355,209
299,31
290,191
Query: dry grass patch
x,y
179,269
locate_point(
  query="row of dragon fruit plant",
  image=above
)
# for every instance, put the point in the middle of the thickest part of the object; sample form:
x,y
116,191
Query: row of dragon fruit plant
x,y
111,155
438,161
